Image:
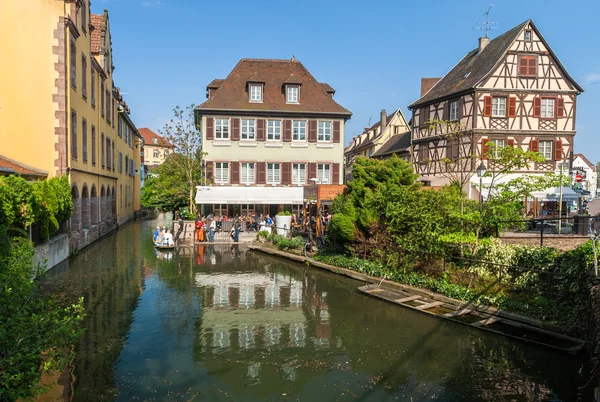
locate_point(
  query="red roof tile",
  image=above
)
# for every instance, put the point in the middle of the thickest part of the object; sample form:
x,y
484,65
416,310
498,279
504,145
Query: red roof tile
x,y
96,21
216,83
232,93
9,166
327,88
151,138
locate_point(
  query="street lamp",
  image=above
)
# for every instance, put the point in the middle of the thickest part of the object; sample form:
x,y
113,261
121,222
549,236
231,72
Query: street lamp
x,y
481,171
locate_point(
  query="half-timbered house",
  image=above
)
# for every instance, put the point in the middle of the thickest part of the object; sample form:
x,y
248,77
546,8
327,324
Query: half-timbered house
x,y
509,91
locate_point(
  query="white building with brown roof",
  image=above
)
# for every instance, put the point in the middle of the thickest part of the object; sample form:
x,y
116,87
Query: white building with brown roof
x,y
589,175
156,148
269,124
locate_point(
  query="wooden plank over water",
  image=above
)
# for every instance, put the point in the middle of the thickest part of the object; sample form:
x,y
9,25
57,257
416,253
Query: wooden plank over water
x,y
486,322
458,313
429,305
407,299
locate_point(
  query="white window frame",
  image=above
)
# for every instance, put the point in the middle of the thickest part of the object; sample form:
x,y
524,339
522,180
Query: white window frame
x,y
324,173
300,124
499,106
547,108
545,148
298,173
324,131
221,172
221,128
497,143
248,130
453,111
274,130
527,35
292,94
155,153
273,173
256,93
247,172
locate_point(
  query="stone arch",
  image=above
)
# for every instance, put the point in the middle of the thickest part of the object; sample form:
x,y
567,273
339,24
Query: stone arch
x,y
76,216
94,203
102,204
114,203
86,208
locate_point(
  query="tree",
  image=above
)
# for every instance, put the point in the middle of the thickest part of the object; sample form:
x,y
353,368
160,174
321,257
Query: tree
x,y
185,135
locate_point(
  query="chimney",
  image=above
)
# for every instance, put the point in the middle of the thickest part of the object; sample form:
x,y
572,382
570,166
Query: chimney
x,y
483,42
382,121
427,84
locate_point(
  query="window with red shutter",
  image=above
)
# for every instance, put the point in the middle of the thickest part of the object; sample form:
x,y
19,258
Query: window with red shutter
x,y
260,130
286,173
287,130
510,142
558,150
534,145
560,108
512,106
336,131
528,66
312,131
336,174
235,132
487,106
537,107
210,128
485,148
261,173
209,172
235,172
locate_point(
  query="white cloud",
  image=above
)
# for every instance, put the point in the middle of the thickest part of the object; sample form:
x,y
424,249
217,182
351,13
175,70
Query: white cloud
x,y
592,77
150,3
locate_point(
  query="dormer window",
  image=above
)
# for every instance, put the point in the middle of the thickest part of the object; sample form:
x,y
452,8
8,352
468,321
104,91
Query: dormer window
x,y
292,94
528,36
256,93
155,140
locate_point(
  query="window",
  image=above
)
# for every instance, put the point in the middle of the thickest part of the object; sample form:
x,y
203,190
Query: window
x,y
547,110
73,134
166,153
299,130
83,76
84,152
222,172
499,106
120,162
292,94
298,173
113,156
453,111
324,131
324,173
102,98
73,64
495,145
528,66
108,158
156,153
102,150
248,130
93,145
108,104
93,86
274,130
127,166
247,173
423,152
222,129
528,36
255,93
545,149
273,173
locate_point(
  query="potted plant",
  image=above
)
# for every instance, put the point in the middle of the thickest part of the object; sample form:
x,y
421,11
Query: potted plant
x,y
283,222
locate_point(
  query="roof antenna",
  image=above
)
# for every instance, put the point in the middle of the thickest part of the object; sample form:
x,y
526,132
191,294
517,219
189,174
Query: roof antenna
x,y
487,24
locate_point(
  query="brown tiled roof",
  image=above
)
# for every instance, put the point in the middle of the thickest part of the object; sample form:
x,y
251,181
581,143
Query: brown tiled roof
x,y
395,145
96,21
327,88
586,160
216,83
232,93
368,142
10,166
149,136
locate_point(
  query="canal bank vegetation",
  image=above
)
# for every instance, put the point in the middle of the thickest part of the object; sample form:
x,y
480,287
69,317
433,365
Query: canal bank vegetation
x,y
387,224
35,331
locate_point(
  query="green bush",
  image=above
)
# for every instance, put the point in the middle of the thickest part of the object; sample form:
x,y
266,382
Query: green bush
x,y
284,213
263,234
340,230
283,243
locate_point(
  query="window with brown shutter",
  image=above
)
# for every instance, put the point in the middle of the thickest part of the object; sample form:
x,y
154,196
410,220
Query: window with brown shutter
x,y
528,66
312,172
560,108
335,177
210,174
336,131
487,106
260,130
312,131
512,106
210,128
261,173
485,147
424,116
534,145
286,173
235,132
287,131
510,142
537,107
235,172
558,150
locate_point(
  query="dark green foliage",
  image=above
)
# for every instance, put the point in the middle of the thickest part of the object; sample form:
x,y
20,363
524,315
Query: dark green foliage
x,y
283,243
340,230
36,332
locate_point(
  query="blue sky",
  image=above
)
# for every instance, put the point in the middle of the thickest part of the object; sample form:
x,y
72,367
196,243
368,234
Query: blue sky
x,y
373,53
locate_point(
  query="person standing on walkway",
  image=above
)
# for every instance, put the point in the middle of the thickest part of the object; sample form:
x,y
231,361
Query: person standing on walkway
x,y
211,233
180,229
236,230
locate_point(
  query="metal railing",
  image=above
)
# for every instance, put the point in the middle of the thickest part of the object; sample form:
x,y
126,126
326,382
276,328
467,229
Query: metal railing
x,y
575,226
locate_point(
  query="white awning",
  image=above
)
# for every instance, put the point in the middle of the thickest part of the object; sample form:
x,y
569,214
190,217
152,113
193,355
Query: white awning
x,y
249,195
553,194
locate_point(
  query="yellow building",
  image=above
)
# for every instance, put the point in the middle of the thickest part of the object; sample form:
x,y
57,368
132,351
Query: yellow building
x,y
156,148
60,111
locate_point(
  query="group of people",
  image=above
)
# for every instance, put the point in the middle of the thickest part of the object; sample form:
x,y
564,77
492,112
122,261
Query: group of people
x,y
163,237
206,227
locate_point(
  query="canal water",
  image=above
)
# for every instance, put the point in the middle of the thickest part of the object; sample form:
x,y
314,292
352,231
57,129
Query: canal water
x,y
223,323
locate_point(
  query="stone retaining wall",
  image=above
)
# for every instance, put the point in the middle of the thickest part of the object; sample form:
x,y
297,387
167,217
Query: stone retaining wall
x,y
53,252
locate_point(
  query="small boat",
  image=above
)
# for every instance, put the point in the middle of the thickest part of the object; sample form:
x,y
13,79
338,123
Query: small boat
x,y
508,325
164,246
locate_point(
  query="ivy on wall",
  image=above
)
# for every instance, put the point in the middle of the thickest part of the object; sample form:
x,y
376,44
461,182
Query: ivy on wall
x,y
46,203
